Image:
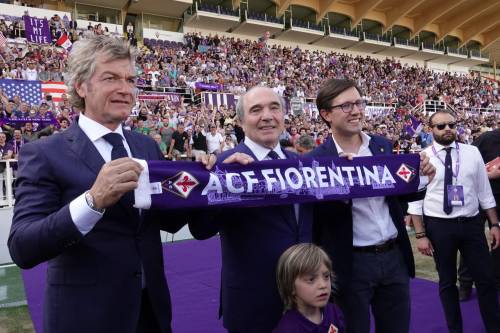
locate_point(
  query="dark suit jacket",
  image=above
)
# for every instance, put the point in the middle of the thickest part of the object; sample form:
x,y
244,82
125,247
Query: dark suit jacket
x,y
332,227
252,240
93,281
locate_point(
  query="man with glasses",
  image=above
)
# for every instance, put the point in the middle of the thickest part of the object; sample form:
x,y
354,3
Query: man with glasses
x,y
452,222
366,238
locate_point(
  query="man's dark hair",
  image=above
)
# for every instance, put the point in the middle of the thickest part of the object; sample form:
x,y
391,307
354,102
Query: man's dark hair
x,y
441,111
331,89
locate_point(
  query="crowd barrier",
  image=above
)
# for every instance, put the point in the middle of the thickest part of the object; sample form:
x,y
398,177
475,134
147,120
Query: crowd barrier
x,y
7,178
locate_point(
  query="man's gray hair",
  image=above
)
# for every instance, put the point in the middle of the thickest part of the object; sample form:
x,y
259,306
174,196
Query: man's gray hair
x,y
83,58
240,108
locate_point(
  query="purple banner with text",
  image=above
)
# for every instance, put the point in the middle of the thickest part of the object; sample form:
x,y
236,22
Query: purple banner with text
x,y
175,185
37,30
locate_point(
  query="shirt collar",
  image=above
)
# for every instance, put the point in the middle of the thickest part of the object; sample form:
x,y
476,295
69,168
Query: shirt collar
x,y
365,142
261,152
94,130
440,147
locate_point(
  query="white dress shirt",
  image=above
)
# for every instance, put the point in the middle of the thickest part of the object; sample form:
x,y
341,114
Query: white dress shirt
x,y
82,215
471,175
261,152
371,221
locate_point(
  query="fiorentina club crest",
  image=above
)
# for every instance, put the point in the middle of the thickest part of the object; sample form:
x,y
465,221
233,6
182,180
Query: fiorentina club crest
x,y
181,184
406,173
333,329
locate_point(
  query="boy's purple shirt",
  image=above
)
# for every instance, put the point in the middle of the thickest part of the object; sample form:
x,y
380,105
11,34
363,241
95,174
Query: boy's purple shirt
x,y
294,322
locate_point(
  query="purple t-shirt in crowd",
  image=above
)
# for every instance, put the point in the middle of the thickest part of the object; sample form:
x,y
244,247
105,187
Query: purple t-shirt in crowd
x,y
294,322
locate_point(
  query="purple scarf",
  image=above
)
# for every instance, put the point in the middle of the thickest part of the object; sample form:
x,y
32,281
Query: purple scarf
x,y
174,185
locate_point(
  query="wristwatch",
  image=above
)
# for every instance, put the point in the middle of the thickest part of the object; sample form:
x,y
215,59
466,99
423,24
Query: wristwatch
x,y
90,202
495,225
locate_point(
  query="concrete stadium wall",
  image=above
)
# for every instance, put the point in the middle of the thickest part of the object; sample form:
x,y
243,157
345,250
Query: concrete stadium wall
x,y
36,12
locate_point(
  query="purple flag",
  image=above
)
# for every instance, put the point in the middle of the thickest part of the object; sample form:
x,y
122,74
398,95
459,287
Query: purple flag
x,y
413,126
208,86
37,30
174,185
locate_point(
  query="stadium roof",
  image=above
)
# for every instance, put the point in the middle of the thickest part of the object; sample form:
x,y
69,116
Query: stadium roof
x,y
467,20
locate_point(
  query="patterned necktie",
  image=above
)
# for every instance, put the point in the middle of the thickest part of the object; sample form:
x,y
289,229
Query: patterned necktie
x,y
448,180
119,151
288,210
273,155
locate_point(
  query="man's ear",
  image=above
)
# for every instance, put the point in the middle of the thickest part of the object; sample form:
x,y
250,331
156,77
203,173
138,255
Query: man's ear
x,y
81,89
326,115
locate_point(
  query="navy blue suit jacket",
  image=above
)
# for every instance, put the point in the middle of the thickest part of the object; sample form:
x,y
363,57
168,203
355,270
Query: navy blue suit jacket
x,y
93,281
252,240
332,227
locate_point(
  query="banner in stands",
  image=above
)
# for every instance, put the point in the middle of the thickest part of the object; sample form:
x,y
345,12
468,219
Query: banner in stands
x,y
230,100
19,122
171,97
208,86
218,99
297,106
175,185
375,111
37,30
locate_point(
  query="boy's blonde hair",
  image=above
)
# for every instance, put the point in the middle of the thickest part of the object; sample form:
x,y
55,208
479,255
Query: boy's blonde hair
x,y
298,260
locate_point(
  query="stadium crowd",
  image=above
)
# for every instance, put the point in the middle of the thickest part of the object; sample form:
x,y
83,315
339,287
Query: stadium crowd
x,y
233,65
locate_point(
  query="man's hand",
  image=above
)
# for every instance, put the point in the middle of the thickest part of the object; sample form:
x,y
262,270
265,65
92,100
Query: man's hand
x,y
424,246
209,160
114,180
240,158
426,168
349,156
495,237
493,170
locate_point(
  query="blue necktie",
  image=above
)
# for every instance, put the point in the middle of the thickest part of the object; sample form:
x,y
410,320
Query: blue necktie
x,y
448,180
116,141
119,151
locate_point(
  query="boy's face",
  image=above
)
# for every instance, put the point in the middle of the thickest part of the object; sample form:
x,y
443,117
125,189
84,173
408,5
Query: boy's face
x,y
312,291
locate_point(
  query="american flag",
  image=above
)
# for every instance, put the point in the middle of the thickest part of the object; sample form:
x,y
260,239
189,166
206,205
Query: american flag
x,y
33,92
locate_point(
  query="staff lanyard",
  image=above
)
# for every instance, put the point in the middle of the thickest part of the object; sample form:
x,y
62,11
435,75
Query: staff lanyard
x,y
457,162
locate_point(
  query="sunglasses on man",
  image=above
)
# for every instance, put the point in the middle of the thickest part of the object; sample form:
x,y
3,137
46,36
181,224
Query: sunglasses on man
x,y
443,126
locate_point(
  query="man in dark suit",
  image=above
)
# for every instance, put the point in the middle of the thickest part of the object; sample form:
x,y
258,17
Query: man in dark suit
x,y
253,239
365,238
74,206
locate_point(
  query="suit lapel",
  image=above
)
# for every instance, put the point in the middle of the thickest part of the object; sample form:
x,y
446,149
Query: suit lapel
x,y
81,145
135,147
243,148
329,146
376,148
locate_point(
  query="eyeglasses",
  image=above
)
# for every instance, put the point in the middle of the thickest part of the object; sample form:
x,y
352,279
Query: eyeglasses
x,y
443,126
349,106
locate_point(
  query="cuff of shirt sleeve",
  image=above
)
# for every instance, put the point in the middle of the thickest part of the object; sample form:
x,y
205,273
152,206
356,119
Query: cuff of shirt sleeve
x,y
415,208
82,215
142,193
423,182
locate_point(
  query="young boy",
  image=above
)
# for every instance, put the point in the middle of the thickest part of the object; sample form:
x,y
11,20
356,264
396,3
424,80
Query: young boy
x,y
304,275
